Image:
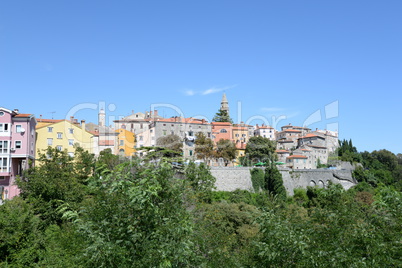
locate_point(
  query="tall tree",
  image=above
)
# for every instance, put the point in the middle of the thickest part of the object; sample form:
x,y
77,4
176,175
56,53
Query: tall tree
x,y
171,142
222,116
260,149
204,147
274,181
226,150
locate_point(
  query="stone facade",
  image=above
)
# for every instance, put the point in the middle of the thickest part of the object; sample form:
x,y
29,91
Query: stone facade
x,y
233,178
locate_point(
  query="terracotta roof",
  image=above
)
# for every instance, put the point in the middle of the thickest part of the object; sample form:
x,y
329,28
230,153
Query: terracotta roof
x,y
265,127
23,115
240,128
307,150
292,130
42,120
297,156
282,151
310,135
189,120
222,123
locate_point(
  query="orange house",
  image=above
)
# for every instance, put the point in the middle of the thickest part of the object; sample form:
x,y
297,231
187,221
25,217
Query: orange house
x,y
221,130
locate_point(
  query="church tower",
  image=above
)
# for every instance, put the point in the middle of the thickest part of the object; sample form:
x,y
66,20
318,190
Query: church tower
x,y
102,118
225,104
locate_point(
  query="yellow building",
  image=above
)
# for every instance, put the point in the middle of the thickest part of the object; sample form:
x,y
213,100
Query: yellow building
x,y
63,135
126,142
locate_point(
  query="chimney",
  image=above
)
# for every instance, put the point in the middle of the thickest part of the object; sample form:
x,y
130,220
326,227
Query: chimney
x,y
155,112
82,132
75,121
256,125
16,111
40,118
203,121
72,119
83,124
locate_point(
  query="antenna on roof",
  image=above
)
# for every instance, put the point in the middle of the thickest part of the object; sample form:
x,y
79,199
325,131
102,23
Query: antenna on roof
x,y
52,114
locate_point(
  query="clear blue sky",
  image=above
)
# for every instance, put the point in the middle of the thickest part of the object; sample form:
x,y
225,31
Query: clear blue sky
x,y
276,58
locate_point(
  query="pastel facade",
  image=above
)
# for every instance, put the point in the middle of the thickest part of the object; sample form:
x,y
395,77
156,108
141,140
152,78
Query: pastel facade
x,y
126,142
265,132
185,128
297,162
17,149
63,135
221,130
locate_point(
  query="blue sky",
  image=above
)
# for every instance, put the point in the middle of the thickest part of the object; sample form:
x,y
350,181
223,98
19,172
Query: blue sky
x,y
327,64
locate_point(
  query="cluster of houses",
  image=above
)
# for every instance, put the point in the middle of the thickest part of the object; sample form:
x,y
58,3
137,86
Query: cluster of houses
x,y
22,136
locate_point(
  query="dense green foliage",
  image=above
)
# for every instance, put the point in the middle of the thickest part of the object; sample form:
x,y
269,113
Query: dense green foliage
x,y
112,212
260,149
222,116
226,150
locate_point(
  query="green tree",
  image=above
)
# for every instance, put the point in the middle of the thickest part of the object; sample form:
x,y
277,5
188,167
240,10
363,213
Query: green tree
x,y
274,182
200,180
222,116
56,179
204,147
171,142
136,218
226,150
260,149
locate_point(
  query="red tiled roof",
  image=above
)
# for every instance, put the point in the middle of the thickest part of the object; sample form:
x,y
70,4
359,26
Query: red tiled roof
x,y
23,115
265,127
310,135
307,150
222,123
297,156
42,120
292,130
189,120
282,151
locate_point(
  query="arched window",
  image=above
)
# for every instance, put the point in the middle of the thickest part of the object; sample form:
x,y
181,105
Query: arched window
x,y
223,130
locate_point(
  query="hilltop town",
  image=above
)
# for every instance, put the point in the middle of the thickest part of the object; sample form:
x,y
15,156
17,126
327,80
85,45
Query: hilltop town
x,y
23,136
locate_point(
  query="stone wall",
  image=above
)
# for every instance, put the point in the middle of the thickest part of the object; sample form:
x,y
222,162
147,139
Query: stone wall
x,y
232,178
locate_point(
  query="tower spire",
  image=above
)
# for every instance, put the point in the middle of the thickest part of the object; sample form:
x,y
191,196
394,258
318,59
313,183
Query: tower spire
x,y
225,103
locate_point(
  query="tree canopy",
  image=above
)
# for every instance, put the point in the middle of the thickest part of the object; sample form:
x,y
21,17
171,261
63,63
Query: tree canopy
x,y
260,149
222,116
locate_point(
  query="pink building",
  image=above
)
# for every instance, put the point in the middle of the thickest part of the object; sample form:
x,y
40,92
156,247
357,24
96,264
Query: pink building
x,y
17,149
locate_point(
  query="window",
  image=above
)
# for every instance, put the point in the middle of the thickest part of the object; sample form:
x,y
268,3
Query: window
x,y
223,130
141,138
237,135
190,133
191,152
121,142
3,127
141,126
243,135
172,132
4,164
50,141
18,144
59,135
71,130
1,113
3,147
49,129
71,142
18,128
209,134
59,147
